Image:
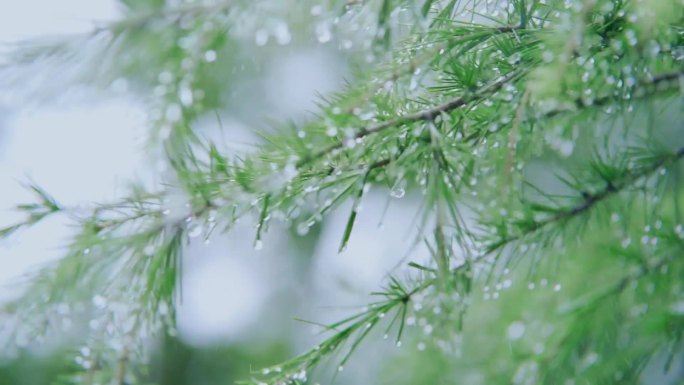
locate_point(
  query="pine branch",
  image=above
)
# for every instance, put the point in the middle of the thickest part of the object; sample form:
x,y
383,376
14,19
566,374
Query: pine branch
x,y
589,200
659,84
425,115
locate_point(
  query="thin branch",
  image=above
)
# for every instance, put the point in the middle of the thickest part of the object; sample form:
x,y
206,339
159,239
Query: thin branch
x,y
590,200
645,89
415,62
424,115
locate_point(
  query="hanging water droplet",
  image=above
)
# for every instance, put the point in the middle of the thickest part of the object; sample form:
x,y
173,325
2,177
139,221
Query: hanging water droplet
x,y
185,96
85,351
282,33
398,192
258,244
261,37
165,77
173,113
303,228
148,250
195,230
323,34
99,301
210,56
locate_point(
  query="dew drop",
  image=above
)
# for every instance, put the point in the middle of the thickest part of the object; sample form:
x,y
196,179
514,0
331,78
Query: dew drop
x,y
210,56
515,330
148,250
261,37
323,34
282,34
195,230
99,301
173,113
185,96
303,229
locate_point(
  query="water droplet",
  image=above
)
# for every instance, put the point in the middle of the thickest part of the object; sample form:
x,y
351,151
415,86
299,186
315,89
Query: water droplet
x,y
195,230
210,56
149,250
515,330
677,308
282,33
340,368
185,96
261,37
323,34
165,77
421,346
303,228
99,301
590,359
258,244
398,190
173,113
316,10
557,287
530,285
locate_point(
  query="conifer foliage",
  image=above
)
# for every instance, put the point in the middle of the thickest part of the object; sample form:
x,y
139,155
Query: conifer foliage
x,y
544,138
